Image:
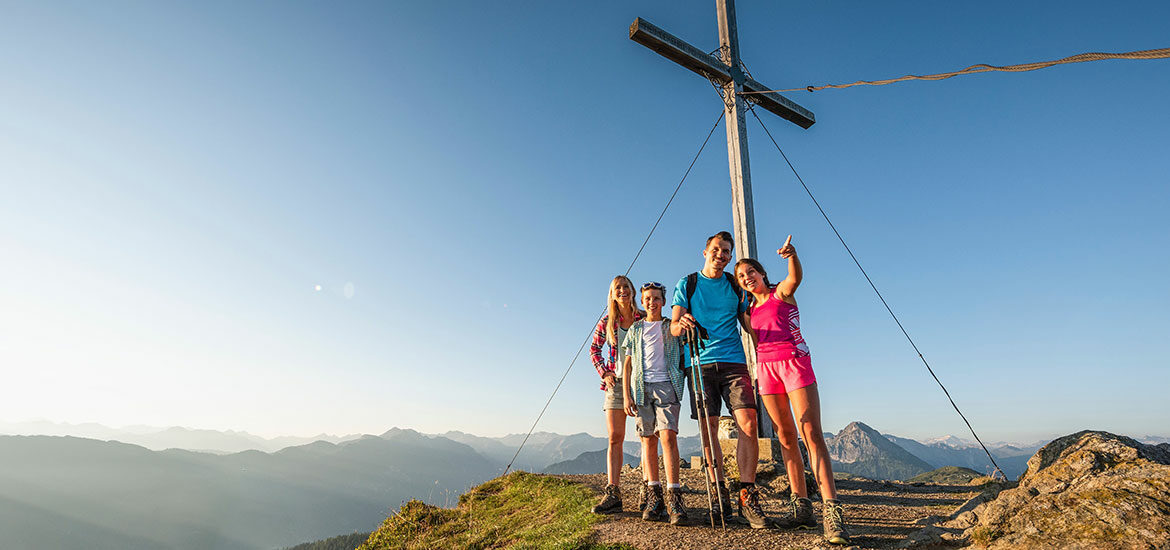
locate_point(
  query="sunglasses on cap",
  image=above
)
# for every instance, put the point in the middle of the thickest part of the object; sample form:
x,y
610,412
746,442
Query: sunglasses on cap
x,y
653,285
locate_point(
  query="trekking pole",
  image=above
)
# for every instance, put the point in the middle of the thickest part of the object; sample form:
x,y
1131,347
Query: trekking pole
x,y
697,387
706,439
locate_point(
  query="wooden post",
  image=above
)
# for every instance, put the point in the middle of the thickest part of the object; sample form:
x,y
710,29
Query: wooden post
x,y
742,214
726,72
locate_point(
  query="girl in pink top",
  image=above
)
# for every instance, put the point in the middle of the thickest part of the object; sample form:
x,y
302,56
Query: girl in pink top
x,y
787,385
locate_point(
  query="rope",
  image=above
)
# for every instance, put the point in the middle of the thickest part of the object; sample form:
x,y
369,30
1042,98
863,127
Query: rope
x,y
1160,53
879,294
627,274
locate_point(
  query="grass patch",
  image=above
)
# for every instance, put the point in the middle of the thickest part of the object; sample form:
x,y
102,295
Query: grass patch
x,y
984,536
520,510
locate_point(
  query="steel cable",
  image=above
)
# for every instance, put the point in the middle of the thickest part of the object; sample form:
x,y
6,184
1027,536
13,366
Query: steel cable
x,y
1159,53
627,274
879,294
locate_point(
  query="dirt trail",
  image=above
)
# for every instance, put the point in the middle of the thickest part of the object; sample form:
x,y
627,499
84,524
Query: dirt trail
x,y
880,514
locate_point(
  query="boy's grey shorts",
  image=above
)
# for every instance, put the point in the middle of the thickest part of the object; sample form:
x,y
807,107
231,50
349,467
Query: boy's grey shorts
x,y
659,410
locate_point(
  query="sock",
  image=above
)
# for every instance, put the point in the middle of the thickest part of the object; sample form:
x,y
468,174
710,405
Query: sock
x,y
673,485
653,483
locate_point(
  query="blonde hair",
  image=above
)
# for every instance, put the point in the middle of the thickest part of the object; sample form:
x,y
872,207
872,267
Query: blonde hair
x,y
612,311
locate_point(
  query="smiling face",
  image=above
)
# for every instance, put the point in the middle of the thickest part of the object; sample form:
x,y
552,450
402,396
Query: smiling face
x,y
750,278
717,254
622,291
652,301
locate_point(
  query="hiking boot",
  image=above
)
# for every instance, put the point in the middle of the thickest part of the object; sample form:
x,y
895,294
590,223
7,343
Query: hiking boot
x,y
642,496
655,507
835,531
800,517
611,502
674,504
749,507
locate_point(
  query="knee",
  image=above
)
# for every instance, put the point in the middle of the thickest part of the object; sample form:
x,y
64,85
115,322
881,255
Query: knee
x,y
787,438
616,438
668,437
747,426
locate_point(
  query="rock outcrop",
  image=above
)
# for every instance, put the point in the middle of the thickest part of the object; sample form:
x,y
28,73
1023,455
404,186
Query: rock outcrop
x,y
1086,490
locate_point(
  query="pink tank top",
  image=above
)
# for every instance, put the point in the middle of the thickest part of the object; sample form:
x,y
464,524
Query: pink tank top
x,y
777,326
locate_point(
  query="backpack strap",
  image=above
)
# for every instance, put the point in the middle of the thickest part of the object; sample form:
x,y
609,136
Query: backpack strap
x,y
734,285
692,282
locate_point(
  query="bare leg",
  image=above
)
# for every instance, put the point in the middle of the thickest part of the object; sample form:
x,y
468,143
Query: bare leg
x,y
781,414
806,403
615,423
650,457
747,445
670,454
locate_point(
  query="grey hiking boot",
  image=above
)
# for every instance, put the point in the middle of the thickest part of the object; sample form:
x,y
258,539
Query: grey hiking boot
x,y
655,507
611,502
674,504
801,516
749,507
642,496
835,531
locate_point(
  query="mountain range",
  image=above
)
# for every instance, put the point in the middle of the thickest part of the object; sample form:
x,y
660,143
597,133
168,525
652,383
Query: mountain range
x,y
174,437
72,492
67,492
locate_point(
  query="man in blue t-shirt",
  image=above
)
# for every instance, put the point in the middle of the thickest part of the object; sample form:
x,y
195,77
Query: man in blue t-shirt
x,y
716,305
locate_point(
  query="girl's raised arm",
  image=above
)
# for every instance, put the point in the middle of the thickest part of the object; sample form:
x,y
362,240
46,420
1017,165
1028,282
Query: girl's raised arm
x,y
787,288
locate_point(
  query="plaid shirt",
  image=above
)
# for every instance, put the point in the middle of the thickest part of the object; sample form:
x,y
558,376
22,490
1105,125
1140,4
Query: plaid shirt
x,y
605,364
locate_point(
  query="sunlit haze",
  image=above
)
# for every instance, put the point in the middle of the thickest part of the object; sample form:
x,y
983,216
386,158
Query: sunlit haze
x,y
296,218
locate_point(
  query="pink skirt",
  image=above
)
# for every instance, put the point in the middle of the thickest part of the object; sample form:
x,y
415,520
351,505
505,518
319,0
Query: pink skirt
x,y
785,375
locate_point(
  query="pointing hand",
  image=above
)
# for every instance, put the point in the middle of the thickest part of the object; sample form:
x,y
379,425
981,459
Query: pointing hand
x,y
787,251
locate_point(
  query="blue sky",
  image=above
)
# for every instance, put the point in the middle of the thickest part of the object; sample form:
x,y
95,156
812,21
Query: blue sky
x,y
463,179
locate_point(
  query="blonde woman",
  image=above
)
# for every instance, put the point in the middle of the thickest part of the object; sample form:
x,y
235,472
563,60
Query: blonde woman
x,y
621,312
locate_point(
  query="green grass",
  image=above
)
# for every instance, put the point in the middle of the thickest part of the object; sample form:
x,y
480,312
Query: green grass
x,y
520,510
947,475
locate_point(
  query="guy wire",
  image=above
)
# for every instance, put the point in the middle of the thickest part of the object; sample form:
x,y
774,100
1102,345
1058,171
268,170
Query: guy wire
x,y
627,274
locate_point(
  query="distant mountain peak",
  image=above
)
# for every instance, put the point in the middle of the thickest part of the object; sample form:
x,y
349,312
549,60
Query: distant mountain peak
x,y
862,450
397,432
858,425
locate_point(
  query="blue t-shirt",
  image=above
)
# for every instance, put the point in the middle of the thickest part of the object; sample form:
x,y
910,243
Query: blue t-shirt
x,y
716,307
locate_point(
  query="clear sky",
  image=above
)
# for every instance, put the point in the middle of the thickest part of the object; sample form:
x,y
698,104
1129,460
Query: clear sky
x,y
463,179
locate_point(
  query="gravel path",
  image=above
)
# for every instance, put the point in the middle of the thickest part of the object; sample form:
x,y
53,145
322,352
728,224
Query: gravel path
x,y
880,514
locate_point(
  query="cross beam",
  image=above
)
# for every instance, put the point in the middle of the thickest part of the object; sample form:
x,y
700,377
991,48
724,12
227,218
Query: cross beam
x,y
708,66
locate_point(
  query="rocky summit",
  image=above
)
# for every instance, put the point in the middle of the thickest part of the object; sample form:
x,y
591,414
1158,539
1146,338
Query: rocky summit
x,y
1086,490
861,450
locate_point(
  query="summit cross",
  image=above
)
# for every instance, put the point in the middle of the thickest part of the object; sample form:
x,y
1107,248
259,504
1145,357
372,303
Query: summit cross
x,y
727,73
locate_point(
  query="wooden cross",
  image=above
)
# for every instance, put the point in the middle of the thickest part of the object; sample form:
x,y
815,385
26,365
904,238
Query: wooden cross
x,y
726,72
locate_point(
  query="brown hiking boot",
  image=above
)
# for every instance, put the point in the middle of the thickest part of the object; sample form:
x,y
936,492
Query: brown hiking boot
x,y
801,516
655,507
835,531
674,504
611,502
749,507
642,496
